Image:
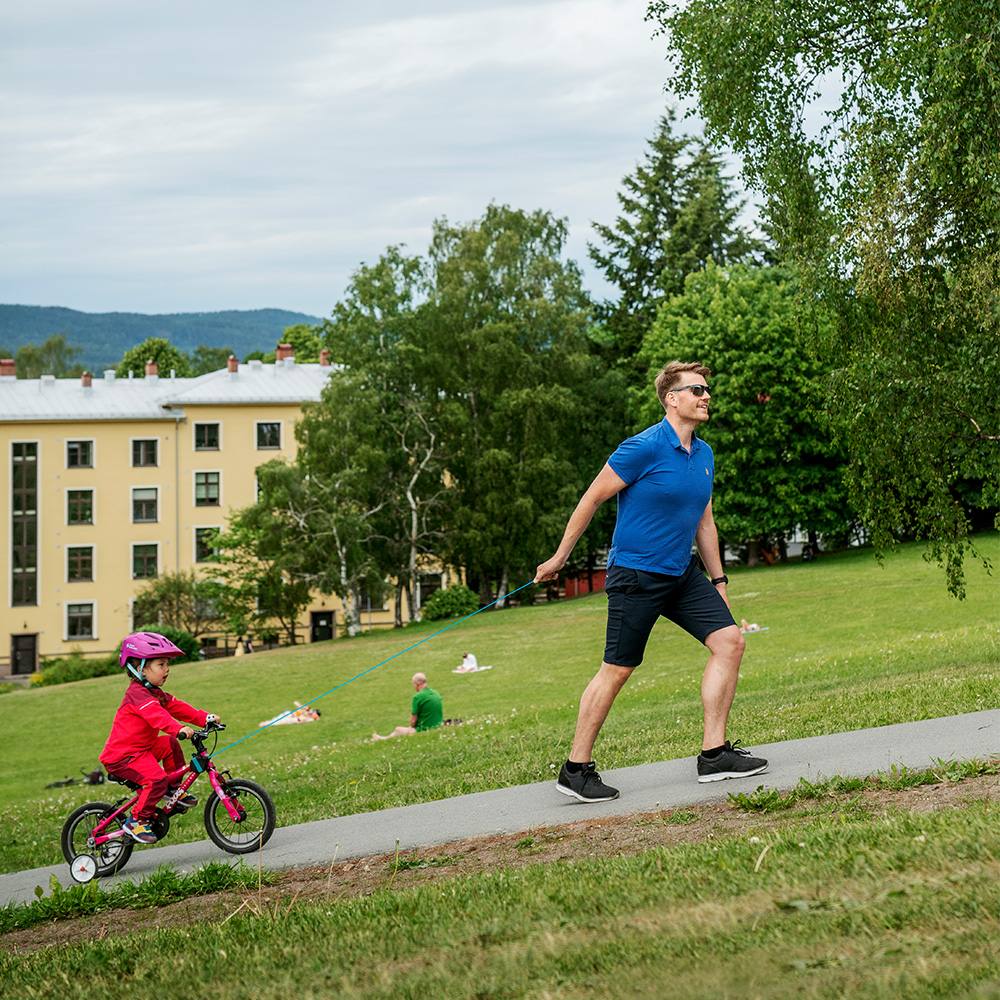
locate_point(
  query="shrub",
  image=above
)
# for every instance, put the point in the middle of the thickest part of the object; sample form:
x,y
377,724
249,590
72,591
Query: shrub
x,y
453,602
74,667
180,638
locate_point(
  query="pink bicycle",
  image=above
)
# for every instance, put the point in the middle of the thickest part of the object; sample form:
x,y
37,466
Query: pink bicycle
x,y
239,816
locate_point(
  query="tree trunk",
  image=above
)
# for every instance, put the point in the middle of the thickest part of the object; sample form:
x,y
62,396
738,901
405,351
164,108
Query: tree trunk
x,y
753,552
814,540
502,592
782,549
398,617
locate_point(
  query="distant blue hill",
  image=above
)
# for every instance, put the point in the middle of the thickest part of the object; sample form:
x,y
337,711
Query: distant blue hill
x,y
104,337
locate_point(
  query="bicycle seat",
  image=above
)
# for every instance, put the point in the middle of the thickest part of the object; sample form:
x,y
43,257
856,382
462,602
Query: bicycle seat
x,y
124,781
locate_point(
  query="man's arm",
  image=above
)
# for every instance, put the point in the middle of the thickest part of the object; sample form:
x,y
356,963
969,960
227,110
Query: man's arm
x,y
707,538
606,485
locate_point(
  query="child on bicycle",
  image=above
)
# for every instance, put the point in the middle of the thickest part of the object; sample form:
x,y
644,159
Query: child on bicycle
x,y
135,749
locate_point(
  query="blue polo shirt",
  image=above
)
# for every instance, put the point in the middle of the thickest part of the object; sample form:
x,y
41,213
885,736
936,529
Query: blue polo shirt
x,y
666,494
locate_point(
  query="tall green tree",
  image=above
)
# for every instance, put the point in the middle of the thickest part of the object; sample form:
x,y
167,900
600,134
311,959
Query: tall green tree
x,y
56,356
890,209
167,357
376,331
506,336
306,341
780,460
265,558
678,211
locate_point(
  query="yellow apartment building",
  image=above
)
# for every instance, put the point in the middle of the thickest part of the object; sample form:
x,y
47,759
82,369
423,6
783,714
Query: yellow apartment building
x,y
108,482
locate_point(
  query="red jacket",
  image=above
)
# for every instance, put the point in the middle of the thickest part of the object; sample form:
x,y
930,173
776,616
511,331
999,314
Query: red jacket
x,y
141,717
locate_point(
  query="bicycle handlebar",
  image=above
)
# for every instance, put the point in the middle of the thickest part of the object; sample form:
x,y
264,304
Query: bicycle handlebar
x,y
212,726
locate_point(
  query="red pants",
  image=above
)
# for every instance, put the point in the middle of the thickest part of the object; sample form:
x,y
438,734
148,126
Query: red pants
x,y
146,770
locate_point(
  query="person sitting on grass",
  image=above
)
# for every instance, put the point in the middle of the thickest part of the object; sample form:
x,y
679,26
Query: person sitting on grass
x,y
426,711
135,750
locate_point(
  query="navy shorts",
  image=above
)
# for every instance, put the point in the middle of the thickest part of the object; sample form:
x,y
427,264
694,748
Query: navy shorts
x,y
636,598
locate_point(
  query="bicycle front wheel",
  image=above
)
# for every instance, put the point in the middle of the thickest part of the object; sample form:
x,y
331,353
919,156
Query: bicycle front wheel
x,y
250,833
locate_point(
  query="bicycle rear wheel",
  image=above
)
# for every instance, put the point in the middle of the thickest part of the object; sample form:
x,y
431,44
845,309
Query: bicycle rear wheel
x,y
253,831
112,856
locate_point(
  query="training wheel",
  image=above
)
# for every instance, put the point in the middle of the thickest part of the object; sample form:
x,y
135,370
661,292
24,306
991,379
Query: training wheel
x,y
83,868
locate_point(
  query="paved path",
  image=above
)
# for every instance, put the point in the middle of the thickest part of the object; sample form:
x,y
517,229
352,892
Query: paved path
x,y
664,785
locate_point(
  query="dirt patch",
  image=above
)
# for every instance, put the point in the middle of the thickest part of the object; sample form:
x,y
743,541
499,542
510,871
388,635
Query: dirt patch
x,y
594,838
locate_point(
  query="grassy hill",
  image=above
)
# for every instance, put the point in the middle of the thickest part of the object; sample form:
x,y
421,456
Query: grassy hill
x,y
104,337
849,644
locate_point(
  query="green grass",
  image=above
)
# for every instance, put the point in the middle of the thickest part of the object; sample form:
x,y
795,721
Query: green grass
x,y
162,886
902,905
766,800
850,644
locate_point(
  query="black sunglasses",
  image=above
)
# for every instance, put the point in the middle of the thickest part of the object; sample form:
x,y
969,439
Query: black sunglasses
x,y
696,390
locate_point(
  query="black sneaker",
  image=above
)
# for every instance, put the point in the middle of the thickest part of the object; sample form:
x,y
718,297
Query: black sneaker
x,y
585,785
733,761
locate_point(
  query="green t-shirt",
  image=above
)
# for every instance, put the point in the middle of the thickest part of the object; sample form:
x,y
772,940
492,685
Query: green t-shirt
x,y
427,708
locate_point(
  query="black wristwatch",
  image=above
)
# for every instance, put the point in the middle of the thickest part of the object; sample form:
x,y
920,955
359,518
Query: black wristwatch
x,y
720,579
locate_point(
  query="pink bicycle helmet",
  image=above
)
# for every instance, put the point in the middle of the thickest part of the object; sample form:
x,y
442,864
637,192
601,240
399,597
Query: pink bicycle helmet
x,y
145,646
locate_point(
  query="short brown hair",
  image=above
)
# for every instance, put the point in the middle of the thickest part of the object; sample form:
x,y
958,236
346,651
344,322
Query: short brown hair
x,y
671,374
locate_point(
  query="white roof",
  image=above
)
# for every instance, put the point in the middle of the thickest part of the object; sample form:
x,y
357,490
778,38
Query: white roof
x,y
255,382
53,399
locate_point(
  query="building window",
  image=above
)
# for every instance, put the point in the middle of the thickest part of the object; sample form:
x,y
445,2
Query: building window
x,y
204,550
24,523
206,437
268,436
79,454
144,561
144,453
206,489
373,600
80,507
428,583
79,621
144,504
79,563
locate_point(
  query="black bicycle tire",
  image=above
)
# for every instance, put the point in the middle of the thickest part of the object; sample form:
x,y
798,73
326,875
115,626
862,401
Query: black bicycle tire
x,y
98,809
217,836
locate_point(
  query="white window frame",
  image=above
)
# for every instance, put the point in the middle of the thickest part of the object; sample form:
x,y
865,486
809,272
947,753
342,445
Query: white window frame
x,y
131,503
93,562
79,440
194,537
131,454
194,437
93,507
9,458
93,621
281,435
194,489
131,561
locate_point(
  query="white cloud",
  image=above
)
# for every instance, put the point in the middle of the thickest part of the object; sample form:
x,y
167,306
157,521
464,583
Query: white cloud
x,y
199,157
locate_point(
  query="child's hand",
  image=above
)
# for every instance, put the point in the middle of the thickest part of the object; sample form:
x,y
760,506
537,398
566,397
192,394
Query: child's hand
x,y
186,732
212,718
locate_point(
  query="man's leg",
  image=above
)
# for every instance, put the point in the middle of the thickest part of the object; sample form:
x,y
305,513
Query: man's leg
x,y
398,731
718,685
595,703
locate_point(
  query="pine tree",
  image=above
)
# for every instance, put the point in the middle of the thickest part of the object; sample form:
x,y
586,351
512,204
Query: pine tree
x,y
678,211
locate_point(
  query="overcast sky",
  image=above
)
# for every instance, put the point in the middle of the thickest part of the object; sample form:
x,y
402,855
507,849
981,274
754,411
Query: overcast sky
x,y
179,157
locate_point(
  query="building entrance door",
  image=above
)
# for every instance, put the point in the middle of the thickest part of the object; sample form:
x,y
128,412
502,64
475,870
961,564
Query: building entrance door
x,y
322,625
24,653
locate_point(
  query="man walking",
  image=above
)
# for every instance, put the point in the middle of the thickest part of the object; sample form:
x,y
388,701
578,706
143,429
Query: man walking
x,y
663,480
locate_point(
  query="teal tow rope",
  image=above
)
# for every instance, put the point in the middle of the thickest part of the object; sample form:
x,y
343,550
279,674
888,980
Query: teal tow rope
x,y
368,670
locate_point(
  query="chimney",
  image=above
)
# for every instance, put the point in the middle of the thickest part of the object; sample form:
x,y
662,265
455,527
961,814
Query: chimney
x,y
152,368
324,357
232,365
7,368
284,351
86,380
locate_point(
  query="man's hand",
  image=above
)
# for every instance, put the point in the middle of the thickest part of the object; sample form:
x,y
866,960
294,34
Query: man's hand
x,y
185,733
549,570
